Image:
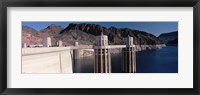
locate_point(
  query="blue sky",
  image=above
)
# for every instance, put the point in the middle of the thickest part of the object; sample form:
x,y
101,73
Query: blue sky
x,y
155,28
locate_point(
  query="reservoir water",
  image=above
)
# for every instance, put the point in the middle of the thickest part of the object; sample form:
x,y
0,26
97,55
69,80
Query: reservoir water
x,y
164,60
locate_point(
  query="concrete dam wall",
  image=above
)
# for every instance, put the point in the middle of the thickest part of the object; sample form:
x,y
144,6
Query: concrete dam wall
x,y
47,60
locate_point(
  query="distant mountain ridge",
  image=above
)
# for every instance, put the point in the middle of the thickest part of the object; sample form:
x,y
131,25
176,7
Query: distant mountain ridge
x,y
85,34
173,42
169,38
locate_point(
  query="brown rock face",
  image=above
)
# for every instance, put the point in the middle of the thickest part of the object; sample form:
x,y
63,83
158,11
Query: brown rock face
x,y
30,36
51,31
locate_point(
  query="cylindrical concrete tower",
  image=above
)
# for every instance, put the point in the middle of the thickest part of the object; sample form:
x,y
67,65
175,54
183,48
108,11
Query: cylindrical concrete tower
x,y
60,43
24,45
102,40
47,42
102,55
129,56
76,52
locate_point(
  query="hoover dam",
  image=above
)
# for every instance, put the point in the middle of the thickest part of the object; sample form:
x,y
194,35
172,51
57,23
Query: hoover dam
x,y
60,59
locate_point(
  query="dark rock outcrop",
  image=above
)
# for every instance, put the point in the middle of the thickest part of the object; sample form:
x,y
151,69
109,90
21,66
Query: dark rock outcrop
x,y
173,42
115,35
169,38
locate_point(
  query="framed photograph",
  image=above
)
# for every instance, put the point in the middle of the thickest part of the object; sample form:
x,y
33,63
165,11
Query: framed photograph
x,y
88,47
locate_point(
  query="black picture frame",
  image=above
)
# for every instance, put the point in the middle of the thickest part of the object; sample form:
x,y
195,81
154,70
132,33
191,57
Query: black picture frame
x,y
100,3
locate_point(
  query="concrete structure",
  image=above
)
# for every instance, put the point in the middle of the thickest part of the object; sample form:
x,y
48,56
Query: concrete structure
x,y
24,45
47,42
34,46
102,40
128,41
59,43
76,52
102,55
46,60
96,47
59,60
129,56
40,45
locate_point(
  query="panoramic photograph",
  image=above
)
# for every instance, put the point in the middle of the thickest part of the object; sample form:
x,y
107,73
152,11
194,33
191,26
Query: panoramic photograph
x,y
99,47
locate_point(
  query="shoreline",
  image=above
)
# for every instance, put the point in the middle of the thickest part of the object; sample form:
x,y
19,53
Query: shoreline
x,y
86,53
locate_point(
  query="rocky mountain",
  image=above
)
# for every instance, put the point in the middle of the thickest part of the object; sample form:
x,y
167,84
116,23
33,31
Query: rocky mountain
x,y
169,38
115,35
173,42
51,31
30,36
85,34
